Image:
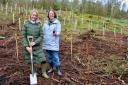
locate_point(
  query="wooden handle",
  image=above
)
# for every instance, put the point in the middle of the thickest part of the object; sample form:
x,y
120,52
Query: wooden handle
x,y
30,39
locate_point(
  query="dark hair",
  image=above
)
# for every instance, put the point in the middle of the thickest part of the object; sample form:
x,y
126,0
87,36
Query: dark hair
x,y
55,15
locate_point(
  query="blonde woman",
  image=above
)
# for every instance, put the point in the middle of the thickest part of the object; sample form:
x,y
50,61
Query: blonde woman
x,y
33,28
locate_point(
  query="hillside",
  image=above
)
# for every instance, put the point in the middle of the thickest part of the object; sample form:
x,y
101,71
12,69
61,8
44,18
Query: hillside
x,y
93,50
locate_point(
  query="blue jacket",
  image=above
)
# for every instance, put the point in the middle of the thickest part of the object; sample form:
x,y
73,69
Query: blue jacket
x,y
51,42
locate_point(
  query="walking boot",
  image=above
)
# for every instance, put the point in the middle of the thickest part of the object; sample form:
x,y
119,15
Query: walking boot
x,y
58,71
51,68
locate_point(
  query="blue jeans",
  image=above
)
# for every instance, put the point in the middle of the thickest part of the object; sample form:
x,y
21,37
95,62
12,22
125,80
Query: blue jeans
x,y
53,58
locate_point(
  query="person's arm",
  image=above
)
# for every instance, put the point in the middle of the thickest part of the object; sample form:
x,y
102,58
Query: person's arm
x,y
58,29
24,39
39,39
24,36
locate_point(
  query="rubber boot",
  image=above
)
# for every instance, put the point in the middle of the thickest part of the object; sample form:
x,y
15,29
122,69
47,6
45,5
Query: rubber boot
x,y
44,74
58,71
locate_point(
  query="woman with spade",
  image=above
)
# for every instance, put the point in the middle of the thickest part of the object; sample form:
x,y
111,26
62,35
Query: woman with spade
x,y
33,28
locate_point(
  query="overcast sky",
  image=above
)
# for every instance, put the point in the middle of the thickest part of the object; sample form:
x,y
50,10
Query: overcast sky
x,y
123,1
105,1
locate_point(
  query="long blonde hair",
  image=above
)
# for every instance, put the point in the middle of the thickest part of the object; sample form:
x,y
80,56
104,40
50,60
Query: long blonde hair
x,y
34,10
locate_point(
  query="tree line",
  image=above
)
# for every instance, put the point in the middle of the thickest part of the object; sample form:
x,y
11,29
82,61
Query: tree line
x,y
107,8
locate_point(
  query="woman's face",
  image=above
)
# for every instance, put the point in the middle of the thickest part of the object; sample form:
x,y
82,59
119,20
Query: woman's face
x,y
34,16
51,15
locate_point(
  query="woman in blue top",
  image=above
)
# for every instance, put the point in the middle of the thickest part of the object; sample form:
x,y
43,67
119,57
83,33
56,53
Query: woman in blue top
x,y
51,32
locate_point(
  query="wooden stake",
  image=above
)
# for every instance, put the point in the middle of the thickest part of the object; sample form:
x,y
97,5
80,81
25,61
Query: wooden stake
x,y
19,24
88,24
15,6
115,32
70,14
103,29
69,19
2,8
19,10
71,45
11,9
60,11
75,24
6,9
91,24
22,10
42,8
87,50
82,20
13,18
97,25
17,51
29,10
26,11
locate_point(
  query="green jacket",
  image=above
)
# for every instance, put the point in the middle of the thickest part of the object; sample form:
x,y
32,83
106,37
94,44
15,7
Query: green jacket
x,y
30,29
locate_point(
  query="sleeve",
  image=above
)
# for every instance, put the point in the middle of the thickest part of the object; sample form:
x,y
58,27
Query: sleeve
x,y
24,36
58,29
39,39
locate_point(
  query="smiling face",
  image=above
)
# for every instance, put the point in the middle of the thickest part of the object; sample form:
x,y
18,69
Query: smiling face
x,y
34,16
51,15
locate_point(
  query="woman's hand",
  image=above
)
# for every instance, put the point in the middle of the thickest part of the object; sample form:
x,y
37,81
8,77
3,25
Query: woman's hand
x,y
32,43
29,49
54,33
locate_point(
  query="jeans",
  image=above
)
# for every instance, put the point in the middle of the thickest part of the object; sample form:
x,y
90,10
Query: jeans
x,y
53,58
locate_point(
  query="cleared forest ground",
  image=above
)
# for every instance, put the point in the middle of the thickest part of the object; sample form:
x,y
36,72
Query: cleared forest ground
x,y
93,60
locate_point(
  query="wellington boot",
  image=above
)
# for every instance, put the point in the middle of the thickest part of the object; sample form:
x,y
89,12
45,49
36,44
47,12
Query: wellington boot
x,y
44,74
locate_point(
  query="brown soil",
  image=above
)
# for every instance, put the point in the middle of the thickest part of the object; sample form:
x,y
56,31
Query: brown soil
x,y
78,68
